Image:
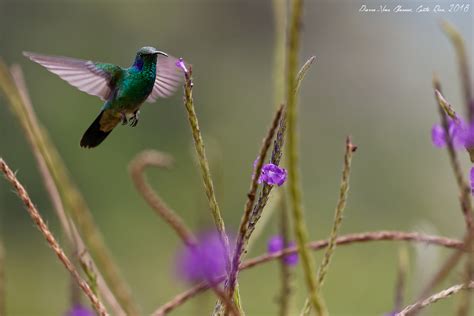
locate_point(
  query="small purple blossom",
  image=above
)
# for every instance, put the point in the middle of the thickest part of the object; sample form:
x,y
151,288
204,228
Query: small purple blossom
x,y
79,310
203,262
438,136
461,133
276,244
180,64
271,174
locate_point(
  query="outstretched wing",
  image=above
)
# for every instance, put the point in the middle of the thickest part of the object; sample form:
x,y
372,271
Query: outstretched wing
x,y
168,78
92,78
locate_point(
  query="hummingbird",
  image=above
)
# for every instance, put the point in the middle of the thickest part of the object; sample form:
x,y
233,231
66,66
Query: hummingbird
x,y
153,74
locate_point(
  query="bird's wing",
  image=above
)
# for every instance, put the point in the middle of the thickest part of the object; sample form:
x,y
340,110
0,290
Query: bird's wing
x,y
88,76
168,78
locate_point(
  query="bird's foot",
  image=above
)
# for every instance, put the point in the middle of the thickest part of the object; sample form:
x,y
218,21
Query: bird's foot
x,y
134,119
123,118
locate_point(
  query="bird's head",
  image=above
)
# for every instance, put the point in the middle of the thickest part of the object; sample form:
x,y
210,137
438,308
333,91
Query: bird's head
x,y
146,55
149,51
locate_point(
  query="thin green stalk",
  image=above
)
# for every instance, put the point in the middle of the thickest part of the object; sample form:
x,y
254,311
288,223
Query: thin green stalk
x,y
267,189
294,182
338,215
280,12
265,218
465,297
203,163
443,103
463,63
276,156
285,269
243,237
2,279
206,175
464,187
464,196
302,73
464,72
73,201
402,272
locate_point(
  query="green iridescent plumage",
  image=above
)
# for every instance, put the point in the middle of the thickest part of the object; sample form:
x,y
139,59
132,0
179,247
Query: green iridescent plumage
x,y
124,90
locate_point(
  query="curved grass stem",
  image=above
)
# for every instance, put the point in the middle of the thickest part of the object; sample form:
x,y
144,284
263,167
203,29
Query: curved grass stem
x,y
136,168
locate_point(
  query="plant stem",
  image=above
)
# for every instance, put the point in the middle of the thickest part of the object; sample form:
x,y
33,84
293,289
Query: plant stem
x,y
409,310
76,243
318,245
206,174
242,237
51,240
137,167
338,215
463,64
2,279
285,269
294,182
73,201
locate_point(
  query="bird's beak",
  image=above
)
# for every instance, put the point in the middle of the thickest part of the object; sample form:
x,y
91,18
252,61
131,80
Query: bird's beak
x,y
161,53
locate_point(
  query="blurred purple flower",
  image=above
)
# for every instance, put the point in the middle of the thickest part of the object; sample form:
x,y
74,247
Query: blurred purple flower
x,y
438,136
180,64
471,177
459,131
79,310
271,174
468,137
391,313
276,244
461,134
204,262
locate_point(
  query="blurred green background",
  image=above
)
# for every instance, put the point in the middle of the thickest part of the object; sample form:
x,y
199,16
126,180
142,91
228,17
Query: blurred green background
x,y
372,79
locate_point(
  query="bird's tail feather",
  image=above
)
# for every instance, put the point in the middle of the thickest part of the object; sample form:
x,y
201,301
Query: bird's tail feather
x,y
94,134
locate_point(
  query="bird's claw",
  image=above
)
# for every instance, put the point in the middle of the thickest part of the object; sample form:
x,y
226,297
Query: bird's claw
x,y
123,118
134,119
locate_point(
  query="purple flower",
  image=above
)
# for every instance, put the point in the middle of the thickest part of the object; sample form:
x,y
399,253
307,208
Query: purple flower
x,y
461,134
276,244
79,310
271,174
471,177
438,136
180,64
468,136
203,262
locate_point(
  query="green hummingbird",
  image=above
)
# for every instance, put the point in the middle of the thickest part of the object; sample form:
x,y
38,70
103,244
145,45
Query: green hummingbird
x,y
124,90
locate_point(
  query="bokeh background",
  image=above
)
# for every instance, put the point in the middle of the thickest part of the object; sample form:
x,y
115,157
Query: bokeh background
x,y
372,80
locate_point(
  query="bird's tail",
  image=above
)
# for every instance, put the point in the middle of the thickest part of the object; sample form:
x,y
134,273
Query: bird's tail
x,y
95,134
